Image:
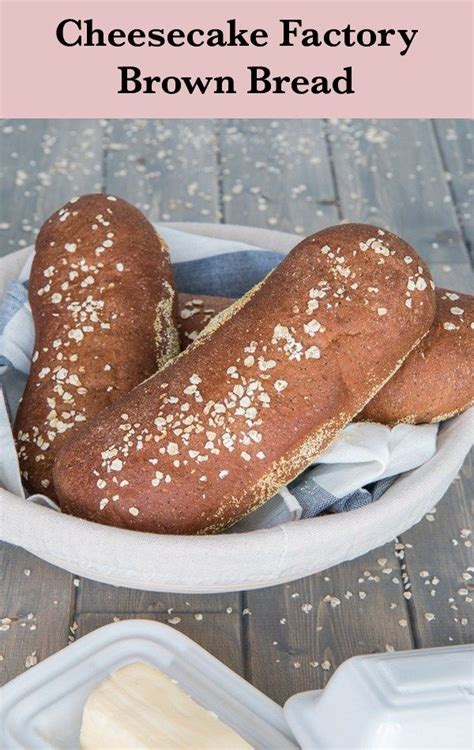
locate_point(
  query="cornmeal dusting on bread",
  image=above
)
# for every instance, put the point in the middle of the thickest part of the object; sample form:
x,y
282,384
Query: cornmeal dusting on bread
x,y
165,331
224,315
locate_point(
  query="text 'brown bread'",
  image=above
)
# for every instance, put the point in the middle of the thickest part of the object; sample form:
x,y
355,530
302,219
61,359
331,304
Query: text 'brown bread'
x,y
104,308
437,380
249,404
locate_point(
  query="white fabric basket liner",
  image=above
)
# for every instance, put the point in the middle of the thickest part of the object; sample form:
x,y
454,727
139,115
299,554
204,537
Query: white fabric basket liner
x,y
231,562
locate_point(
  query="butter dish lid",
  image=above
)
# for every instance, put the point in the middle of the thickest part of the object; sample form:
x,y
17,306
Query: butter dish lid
x,y
400,700
42,708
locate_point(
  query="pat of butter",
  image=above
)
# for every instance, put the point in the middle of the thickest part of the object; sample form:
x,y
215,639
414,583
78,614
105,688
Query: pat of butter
x,y
140,707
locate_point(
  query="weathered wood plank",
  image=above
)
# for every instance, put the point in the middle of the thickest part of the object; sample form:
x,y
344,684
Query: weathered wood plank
x,y
98,597
168,168
389,172
37,603
276,174
456,143
218,633
458,276
300,632
44,163
437,553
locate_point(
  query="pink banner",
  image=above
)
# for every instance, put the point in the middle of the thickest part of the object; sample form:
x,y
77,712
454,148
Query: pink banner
x,y
263,59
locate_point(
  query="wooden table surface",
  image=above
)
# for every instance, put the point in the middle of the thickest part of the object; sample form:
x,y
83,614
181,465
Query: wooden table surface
x,y
411,176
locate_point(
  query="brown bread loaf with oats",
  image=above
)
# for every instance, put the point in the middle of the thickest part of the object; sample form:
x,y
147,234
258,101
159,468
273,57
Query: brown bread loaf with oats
x,y
437,380
105,312
195,312
265,389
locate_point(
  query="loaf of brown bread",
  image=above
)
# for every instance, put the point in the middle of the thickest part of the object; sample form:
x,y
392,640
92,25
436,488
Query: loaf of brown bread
x,y
437,380
195,312
265,389
105,313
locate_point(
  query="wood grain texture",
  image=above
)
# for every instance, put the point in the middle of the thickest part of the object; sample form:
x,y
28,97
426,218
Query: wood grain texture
x,y
297,634
167,168
295,176
37,604
276,174
44,164
455,140
437,553
94,597
458,276
390,173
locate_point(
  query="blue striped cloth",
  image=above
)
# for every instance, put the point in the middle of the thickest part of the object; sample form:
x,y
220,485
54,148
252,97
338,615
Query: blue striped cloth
x,y
14,300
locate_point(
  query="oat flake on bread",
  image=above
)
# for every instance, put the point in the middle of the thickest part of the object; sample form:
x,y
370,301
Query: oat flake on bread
x,y
251,403
105,311
436,381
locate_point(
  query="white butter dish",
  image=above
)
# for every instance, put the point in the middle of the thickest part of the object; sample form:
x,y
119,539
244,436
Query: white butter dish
x,y
42,708
411,700
408,700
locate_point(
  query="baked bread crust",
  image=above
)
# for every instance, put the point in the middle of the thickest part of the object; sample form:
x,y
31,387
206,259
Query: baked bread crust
x,y
263,391
104,307
437,380
195,312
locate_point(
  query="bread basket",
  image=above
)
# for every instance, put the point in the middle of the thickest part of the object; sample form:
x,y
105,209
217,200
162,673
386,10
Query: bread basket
x,y
231,561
